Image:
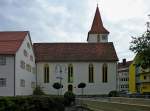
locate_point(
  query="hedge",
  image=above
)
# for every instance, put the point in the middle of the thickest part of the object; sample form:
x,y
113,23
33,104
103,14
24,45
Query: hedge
x,y
32,103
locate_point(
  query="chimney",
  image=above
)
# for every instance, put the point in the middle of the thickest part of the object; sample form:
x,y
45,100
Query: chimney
x,y
124,61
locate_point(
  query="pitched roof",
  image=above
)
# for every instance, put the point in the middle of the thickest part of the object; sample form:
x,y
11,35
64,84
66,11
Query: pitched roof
x,y
74,52
97,25
10,41
124,65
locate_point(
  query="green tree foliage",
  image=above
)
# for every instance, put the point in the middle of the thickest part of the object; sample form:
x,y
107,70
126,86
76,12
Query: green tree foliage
x,y
82,86
32,103
57,86
141,46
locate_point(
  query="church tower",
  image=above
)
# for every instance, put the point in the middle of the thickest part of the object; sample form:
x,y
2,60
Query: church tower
x,y
98,33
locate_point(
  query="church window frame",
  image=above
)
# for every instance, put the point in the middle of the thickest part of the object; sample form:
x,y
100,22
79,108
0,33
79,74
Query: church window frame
x,y
105,73
46,73
70,73
91,73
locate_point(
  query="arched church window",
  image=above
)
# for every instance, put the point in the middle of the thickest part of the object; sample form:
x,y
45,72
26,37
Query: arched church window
x,y
70,73
105,73
91,73
46,73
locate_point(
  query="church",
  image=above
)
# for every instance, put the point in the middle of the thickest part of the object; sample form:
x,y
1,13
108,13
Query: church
x,y
93,62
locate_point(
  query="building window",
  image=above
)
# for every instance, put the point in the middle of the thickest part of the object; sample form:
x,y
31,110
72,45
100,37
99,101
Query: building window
x,y
104,70
2,82
32,84
33,70
144,77
46,73
31,57
25,53
2,60
91,73
28,45
28,67
70,73
22,83
22,64
98,38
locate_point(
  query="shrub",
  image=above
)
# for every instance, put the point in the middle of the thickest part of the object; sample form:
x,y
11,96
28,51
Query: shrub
x,y
113,93
31,103
38,91
57,86
69,98
82,86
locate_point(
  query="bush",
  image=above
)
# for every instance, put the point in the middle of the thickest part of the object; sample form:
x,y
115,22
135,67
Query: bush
x,y
113,94
69,98
38,91
31,103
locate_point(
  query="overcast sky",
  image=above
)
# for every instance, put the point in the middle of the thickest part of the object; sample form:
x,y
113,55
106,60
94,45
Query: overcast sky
x,y
70,20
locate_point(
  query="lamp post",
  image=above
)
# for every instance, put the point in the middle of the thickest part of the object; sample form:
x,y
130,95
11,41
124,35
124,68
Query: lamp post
x,y
60,71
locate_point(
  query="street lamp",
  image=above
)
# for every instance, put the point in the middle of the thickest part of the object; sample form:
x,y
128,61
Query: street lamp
x,y
60,71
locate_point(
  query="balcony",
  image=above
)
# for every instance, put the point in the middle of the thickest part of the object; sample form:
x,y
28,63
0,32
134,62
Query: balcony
x,y
145,81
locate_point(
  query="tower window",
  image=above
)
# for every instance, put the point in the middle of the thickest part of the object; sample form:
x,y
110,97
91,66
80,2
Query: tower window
x,y
98,38
104,37
46,73
105,75
70,73
91,73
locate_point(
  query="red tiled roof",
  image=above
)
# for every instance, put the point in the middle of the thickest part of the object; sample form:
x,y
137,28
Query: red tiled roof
x,y
97,26
74,52
10,41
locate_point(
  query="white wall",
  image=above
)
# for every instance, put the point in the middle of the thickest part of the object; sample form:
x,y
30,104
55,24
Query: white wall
x,y
80,75
23,73
7,71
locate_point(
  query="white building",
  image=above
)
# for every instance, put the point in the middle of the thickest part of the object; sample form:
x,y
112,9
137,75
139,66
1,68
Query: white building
x,y
94,63
17,64
123,75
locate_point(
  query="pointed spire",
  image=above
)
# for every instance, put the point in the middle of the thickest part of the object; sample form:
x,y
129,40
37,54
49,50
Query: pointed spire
x,y
97,26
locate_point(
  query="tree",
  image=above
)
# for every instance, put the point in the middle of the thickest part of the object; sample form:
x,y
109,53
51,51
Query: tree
x,y
82,86
57,86
141,46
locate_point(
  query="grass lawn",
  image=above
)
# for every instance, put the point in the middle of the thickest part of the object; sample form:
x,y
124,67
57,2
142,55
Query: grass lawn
x,y
104,106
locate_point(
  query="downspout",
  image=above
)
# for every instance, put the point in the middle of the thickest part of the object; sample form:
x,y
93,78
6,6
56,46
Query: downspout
x,y
15,75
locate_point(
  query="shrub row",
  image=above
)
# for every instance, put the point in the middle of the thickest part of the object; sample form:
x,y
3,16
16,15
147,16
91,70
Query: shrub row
x,y
32,103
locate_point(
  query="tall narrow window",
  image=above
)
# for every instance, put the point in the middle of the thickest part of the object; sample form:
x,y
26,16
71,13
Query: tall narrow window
x,y
104,69
91,73
70,73
46,73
